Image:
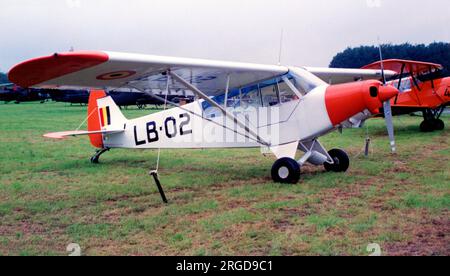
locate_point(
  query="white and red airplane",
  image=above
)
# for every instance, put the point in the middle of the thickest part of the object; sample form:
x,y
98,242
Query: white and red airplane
x,y
280,109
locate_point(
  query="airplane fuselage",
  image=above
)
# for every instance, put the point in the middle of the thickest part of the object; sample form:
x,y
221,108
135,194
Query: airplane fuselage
x,y
428,95
191,126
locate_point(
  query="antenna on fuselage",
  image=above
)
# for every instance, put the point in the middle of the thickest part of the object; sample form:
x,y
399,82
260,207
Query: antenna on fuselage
x,y
281,46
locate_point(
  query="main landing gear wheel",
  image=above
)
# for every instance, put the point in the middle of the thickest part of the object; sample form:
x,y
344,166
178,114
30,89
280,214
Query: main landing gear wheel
x,y
432,125
341,161
427,126
286,170
438,124
431,120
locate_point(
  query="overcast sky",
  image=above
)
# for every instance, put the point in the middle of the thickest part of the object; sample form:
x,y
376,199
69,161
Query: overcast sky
x,y
236,30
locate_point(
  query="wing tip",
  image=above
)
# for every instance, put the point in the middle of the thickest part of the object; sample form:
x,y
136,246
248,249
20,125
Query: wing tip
x,y
38,70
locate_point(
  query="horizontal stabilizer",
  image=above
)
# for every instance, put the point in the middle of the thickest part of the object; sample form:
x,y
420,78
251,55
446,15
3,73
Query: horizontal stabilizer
x,y
65,134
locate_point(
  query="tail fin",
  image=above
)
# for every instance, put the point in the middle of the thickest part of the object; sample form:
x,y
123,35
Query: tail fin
x,y
103,114
94,117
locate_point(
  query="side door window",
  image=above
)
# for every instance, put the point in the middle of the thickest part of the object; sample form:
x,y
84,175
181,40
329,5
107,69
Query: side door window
x,y
251,97
269,95
286,94
405,85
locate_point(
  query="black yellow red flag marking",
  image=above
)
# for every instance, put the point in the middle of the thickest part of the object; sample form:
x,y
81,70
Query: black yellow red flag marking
x,y
105,116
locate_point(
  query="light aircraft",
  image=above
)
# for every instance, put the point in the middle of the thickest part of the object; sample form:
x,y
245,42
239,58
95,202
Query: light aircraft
x,y
421,87
121,98
12,93
279,109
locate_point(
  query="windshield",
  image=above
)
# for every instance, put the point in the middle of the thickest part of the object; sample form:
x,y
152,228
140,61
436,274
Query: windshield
x,y
305,81
268,93
404,86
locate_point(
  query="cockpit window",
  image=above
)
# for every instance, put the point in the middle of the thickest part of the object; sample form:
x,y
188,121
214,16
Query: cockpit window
x,y
405,85
286,93
269,94
251,97
265,94
303,80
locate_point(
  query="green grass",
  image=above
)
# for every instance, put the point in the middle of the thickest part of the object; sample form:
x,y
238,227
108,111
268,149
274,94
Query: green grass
x,y
222,202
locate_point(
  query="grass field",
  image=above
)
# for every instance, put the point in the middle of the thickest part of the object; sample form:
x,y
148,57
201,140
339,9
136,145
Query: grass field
x,y
222,202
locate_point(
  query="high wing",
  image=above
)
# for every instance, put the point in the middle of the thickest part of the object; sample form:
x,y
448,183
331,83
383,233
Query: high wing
x,y
406,66
95,69
338,75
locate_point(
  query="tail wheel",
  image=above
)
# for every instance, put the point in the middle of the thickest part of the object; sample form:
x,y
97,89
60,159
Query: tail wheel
x,y
341,161
286,170
94,159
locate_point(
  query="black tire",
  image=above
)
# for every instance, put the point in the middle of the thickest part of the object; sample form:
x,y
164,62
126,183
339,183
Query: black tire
x,y
95,160
426,126
438,124
341,161
286,170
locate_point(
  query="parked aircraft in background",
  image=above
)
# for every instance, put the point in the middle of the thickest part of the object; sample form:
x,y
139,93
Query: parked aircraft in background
x,y
421,86
122,98
14,93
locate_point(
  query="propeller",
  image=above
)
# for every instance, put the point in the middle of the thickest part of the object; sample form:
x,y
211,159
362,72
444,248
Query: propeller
x,y
387,107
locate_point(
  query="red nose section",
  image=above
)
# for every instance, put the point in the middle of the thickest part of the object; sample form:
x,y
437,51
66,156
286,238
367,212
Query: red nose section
x,y
387,92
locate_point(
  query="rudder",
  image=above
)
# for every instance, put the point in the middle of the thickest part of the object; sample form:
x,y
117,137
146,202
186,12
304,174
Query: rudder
x,y
94,117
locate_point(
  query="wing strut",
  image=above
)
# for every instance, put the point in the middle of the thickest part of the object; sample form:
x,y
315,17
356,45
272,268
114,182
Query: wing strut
x,y
400,81
227,89
202,95
292,87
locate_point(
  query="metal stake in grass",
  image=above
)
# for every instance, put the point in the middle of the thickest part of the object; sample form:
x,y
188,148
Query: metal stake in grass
x,y
158,184
367,147
366,151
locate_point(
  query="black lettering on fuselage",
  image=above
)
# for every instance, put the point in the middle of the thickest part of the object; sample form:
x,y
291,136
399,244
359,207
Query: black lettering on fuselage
x,y
447,93
136,141
170,127
152,133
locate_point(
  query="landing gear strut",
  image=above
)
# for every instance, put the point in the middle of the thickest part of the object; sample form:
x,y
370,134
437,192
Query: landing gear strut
x,y
431,120
287,170
94,159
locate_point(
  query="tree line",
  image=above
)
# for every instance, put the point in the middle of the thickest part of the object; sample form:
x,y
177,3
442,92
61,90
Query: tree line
x,y
437,52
